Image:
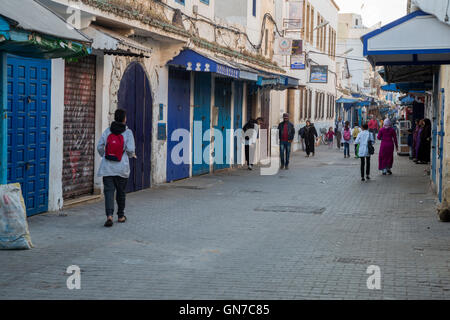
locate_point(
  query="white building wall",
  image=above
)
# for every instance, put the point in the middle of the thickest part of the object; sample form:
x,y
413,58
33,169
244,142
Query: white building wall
x,y
55,192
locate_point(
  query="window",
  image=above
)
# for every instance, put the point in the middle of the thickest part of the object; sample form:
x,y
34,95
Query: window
x,y
266,44
308,22
180,2
318,32
316,106
356,22
311,27
204,1
302,103
253,8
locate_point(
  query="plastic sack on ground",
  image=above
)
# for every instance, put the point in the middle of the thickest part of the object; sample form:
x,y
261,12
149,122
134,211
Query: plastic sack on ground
x,y
14,232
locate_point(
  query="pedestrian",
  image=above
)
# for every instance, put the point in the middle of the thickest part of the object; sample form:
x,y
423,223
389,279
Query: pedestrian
x,y
410,143
338,132
347,139
116,145
310,137
423,156
419,138
415,137
330,137
373,126
356,130
286,132
250,136
388,138
365,140
301,135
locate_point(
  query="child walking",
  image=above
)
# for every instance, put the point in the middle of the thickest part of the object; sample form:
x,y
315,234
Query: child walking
x,y
330,137
115,147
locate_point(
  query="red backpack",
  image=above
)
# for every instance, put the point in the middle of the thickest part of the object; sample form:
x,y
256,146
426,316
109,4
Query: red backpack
x,y
114,147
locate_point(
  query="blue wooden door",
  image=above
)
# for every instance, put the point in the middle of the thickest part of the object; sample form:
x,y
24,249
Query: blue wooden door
x,y
135,97
202,115
29,97
441,143
238,96
178,118
222,98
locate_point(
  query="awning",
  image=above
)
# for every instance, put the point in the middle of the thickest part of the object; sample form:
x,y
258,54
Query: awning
x,y
416,39
113,43
29,29
347,100
418,87
193,61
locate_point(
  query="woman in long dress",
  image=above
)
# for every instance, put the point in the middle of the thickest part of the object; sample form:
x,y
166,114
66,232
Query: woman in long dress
x,y
423,155
388,138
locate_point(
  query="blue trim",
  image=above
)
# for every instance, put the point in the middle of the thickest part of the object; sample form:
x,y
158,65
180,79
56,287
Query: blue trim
x,y
414,52
205,1
406,63
3,120
254,8
180,2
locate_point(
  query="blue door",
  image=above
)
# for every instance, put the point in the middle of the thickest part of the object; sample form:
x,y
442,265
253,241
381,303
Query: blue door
x,y
178,152
28,109
135,97
222,144
202,115
238,96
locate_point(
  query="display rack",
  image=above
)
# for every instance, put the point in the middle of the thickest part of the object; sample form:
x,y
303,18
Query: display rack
x,y
402,137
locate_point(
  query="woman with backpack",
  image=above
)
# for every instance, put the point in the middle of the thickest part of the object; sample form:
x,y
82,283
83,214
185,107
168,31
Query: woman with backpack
x,y
365,140
347,139
388,138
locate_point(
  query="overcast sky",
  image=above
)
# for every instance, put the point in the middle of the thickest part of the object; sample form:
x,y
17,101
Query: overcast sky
x,y
373,11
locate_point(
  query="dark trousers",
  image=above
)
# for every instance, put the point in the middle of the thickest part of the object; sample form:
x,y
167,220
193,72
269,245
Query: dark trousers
x,y
110,185
356,150
285,151
346,149
309,146
247,153
365,162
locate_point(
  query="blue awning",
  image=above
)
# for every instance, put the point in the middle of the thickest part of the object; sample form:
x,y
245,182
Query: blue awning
x,y
364,104
194,61
347,101
417,87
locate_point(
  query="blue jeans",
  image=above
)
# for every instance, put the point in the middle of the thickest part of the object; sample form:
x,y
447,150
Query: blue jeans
x,y
346,149
285,151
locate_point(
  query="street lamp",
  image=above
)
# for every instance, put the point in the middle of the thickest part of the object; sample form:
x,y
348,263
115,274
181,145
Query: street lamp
x,y
323,24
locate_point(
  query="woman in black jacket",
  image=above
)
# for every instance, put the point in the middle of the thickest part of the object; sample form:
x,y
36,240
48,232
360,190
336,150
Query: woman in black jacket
x,y
310,135
423,156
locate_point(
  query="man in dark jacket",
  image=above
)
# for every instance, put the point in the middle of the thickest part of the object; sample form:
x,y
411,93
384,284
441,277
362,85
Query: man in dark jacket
x,y
286,132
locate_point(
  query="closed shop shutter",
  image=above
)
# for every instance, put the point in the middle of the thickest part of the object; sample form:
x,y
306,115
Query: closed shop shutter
x,y
79,128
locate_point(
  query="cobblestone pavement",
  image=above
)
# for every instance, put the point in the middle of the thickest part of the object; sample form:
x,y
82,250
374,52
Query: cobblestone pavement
x,y
307,233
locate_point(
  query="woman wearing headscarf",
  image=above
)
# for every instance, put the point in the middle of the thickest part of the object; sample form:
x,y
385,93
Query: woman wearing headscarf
x,y
310,134
388,138
414,144
419,139
423,155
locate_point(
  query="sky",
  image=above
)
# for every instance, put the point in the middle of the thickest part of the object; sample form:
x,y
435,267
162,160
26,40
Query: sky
x,y
373,11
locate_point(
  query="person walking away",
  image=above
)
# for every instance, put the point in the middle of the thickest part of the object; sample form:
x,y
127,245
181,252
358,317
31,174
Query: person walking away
x,y
116,146
310,137
338,132
364,139
286,133
301,135
423,156
250,136
330,136
415,137
347,139
410,143
373,126
419,139
356,130
388,138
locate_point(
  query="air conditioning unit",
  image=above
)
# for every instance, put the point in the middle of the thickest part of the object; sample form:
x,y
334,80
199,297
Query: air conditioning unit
x,y
195,9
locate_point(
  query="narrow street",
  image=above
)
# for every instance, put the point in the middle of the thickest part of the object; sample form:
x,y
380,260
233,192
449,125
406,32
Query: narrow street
x,y
307,233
